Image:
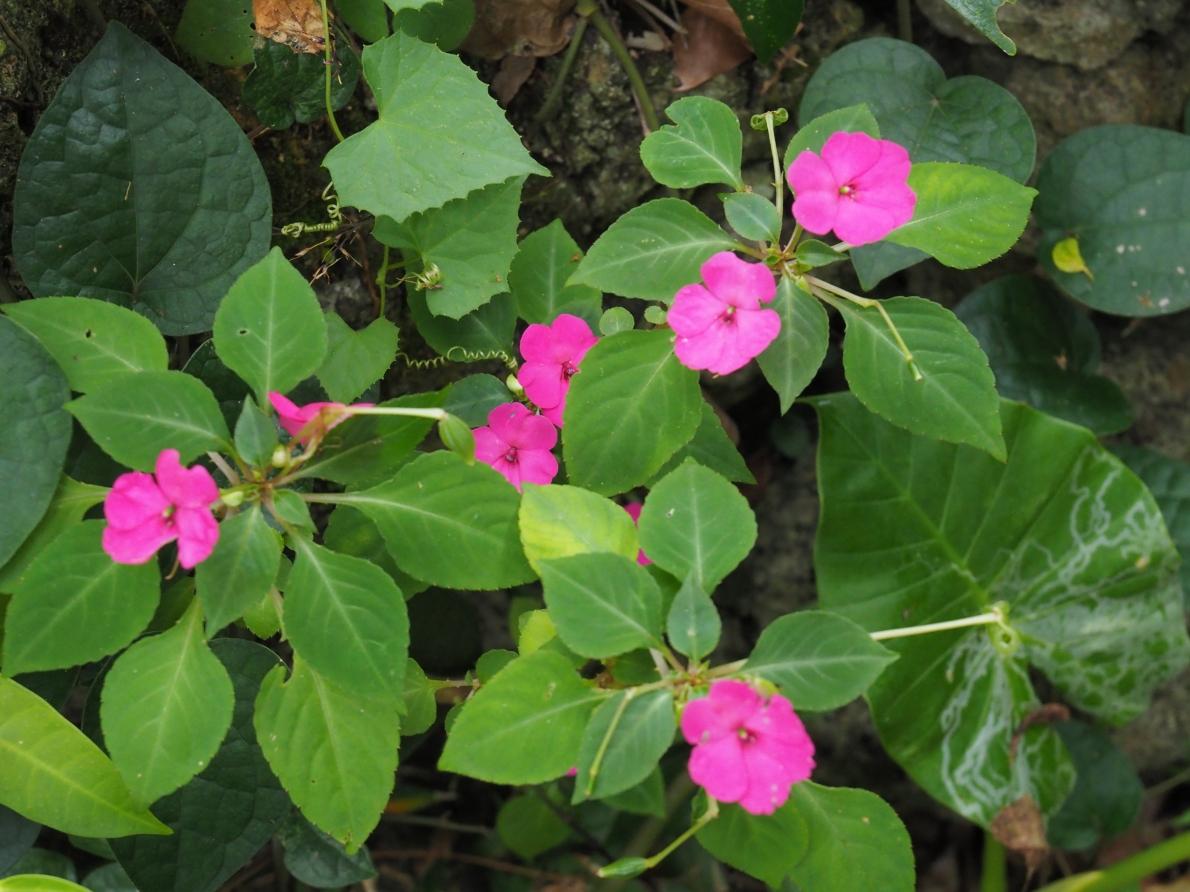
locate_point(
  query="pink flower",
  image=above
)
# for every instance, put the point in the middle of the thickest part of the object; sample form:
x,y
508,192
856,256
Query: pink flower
x,y
633,509
552,354
320,417
144,513
517,444
857,187
721,327
746,749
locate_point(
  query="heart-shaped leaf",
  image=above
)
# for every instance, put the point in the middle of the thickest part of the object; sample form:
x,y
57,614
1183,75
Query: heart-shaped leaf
x,y
703,145
539,278
355,359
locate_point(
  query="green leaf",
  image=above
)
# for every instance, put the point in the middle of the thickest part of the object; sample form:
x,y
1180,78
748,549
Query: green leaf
x,y
1062,533
54,775
218,31
17,834
449,523
167,703
705,147
529,827
525,726
768,24
492,662
346,618
91,340
711,448
764,846
693,624
421,709
1119,191
241,569
370,448
256,435
352,532
602,604
108,878
480,334
1107,796
471,240
630,408
615,320
222,817
71,501
1169,482
792,360
856,842
811,253
46,864
646,798
335,752
74,604
955,400
36,432
877,261
820,661
668,237
228,387
439,137
367,18
269,329
318,860
968,119
134,417
355,359
539,278
752,216
285,86
814,133
473,398
982,14
641,731
560,521
695,523
178,204
32,882
965,215
290,508
445,23
1044,352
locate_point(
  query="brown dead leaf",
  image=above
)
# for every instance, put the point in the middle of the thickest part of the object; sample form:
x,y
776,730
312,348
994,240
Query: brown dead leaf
x,y
1044,715
513,73
295,23
708,48
721,12
520,28
1020,827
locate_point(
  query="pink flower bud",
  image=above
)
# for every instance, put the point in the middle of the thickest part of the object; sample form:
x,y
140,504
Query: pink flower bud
x,y
312,418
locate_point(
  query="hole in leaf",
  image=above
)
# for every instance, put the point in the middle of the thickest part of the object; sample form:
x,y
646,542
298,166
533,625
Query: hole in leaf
x,y
243,331
88,333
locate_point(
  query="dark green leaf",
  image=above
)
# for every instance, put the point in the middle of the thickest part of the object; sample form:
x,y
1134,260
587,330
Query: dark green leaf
x,y
34,432
222,817
705,146
352,532
813,134
641,731
602,604
693,624
74,604
43,866
876,262
525,726
367,18
768,24
134,417
17,834
256,435
819,660
228,387
1120,191
355,359
695,523
1107,796
792,360
444,23
982,14
71,501
630,408
318,860
544,262
764,846
669,237
473,398
1169,482
241,569
109,878
711,448
285,86
218,31
955,400
646,798
480,334
422,154
169,165
529,827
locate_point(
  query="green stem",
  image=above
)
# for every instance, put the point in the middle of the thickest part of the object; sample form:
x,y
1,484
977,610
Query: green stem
x,y
866,302
709,815
382,282
1129,871
679,790
905,21
604,27
435,414
995,866
984,619
330,112
778,180
607,739
555,94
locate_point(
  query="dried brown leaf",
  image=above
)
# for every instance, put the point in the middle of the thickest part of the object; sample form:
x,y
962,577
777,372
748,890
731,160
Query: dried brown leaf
x,y
295,23
520,28
708,48
1021,828
721,12
1044,715
513,73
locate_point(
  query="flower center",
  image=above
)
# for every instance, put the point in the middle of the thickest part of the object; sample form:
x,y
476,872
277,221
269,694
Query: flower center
x,y
728,316
168,515
510,455
745,735
846,190
568,370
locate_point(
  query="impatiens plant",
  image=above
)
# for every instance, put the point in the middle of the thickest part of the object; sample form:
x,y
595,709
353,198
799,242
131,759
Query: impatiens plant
x,y
241,602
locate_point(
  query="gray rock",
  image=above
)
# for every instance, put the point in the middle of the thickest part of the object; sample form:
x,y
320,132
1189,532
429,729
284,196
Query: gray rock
x,y
1085,33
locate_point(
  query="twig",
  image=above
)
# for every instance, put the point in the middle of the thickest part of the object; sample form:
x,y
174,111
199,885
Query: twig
x,y
905,21
440,824
21,103
572,824
258,131
591,9
330,112
649,7
555,94
477,860
29,60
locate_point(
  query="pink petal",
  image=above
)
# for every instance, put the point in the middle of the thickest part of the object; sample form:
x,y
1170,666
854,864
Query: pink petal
x,y
737,282
702,723
850,155
189,488
509,470
861,224
719,767
633,509
746,339
137,544
283,404
816,211
573,335
735,700
554,413
701,351
537,345
892,166
533,432
197,534
544,383
488,447
694,310
767,787
809,173
537,466
135,498
505,421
